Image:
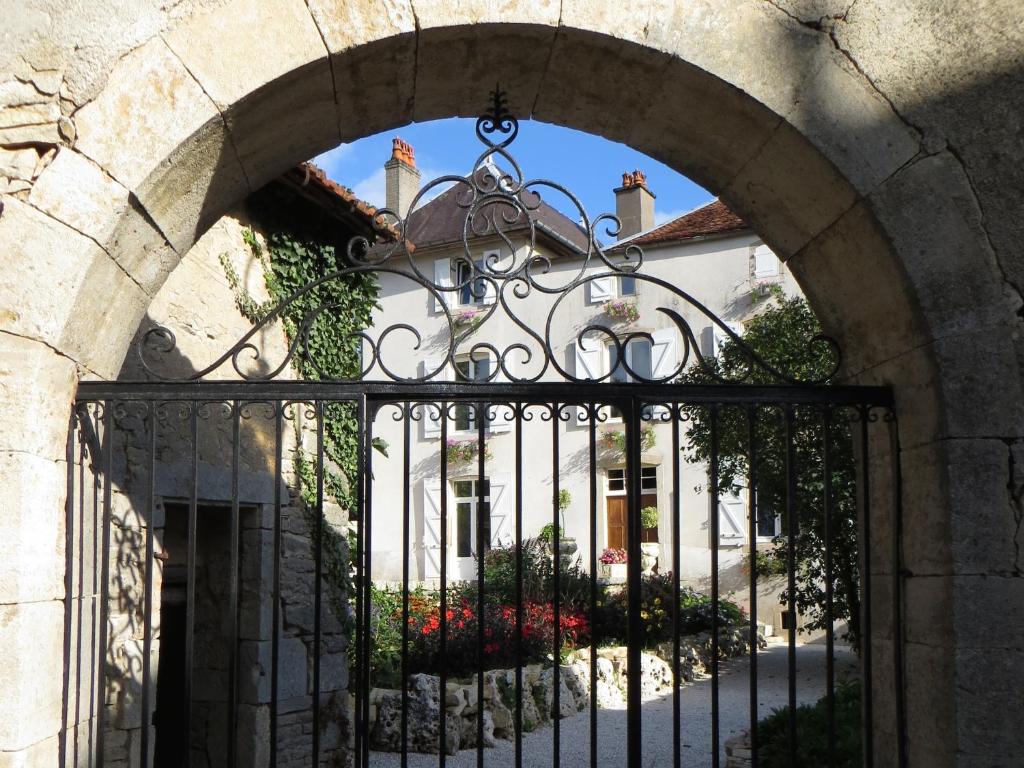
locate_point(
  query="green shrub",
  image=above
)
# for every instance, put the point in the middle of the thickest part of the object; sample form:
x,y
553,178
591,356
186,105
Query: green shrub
x,y
812,733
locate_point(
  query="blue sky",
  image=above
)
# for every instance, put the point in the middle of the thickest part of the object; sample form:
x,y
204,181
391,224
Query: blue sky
x,y
589,166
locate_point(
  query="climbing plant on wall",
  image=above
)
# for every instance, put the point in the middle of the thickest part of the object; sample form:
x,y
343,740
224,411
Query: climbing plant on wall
x,y
291,261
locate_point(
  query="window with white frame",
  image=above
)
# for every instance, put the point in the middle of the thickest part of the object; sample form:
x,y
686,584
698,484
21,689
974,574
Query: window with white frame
x,y
601,289
469,514
470,368
472,291
615,480
635,366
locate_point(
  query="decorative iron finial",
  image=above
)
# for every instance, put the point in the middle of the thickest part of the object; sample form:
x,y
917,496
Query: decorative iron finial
x,y
497,119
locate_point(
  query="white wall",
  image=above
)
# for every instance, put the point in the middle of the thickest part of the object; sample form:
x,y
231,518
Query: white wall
x,y
716,272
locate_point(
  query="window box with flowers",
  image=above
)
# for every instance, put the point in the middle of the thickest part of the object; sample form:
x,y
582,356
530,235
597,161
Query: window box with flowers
x,y
615,439
613,565
469,317
621,310
462,451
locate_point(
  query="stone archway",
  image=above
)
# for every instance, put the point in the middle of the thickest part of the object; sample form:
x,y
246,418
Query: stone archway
x,y
883,222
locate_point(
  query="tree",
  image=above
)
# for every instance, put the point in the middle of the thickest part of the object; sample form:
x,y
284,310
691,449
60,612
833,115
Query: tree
x,y
784,335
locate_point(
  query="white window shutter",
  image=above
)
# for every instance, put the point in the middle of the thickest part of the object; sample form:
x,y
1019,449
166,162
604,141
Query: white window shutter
x,y
663,362
712,338
431,530
766,263
442,279
731,515
588,356
431,418
500,411
599,290
502,534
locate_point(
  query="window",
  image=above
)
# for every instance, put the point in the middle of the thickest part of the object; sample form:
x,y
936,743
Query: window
x,y
627,285
472,292
638,358
616,480
769,523
475,368
468,514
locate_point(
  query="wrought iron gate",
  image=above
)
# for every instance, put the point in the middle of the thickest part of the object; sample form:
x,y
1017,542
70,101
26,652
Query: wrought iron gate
x,y
221,500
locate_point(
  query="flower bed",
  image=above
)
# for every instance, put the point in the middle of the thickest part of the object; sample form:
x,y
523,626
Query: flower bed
x,y
577,626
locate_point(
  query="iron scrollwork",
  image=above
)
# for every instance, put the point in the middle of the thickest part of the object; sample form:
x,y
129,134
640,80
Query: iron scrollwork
x,y
495,202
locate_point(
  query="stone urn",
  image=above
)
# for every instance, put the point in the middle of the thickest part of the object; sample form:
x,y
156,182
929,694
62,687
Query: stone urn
x,y
648,557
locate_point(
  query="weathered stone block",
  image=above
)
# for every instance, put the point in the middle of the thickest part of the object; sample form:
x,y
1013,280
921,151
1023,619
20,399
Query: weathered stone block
x,y
30,676
292,90
95,205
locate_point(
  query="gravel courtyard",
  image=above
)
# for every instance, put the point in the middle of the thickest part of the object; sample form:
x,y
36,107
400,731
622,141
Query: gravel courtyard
x,y
734,698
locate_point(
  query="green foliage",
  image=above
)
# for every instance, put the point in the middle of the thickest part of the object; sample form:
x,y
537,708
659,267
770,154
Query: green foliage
x,y
649,517
564,499
696,612
331,350
780,334
812,733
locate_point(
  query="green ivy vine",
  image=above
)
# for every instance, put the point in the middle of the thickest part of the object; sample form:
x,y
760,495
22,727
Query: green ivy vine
x,y
331,351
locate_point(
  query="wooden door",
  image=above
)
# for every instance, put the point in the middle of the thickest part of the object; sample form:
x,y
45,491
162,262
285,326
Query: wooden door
x,y
617,522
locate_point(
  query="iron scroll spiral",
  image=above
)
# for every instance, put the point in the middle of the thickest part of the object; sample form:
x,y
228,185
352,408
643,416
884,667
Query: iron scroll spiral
x,y
498,201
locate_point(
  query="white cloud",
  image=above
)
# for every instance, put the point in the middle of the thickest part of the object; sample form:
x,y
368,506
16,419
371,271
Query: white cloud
x,y
660,217
373,189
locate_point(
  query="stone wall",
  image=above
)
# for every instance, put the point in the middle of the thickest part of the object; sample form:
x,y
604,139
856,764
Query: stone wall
x,y
198,302
874,143
538,707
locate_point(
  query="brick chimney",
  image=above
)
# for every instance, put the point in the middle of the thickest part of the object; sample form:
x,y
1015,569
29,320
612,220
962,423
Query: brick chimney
x,y
401,177
634,204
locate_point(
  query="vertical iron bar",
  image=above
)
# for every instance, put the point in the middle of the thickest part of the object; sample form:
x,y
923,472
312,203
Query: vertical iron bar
x,y
365,673
519,585
147,642
830,702
357,713
867,641
108,468
275,609
556,655
82,449
406,473
190,575
715,541
677,736
233,590
634,718
318,570
481,419
592,409
897,598
69,564
95,672
443,644
791,534
752,508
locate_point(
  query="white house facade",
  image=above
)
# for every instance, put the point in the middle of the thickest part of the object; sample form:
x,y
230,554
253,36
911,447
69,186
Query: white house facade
x,y
722,264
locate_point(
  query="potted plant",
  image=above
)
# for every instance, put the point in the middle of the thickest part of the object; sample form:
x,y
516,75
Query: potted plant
x,y
649,549
613,564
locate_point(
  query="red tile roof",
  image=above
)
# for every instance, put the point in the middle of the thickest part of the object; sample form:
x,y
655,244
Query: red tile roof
x,y
307,176
715,218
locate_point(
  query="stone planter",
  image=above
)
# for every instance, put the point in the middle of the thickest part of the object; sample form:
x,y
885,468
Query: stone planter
x,y
614,572
649,556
